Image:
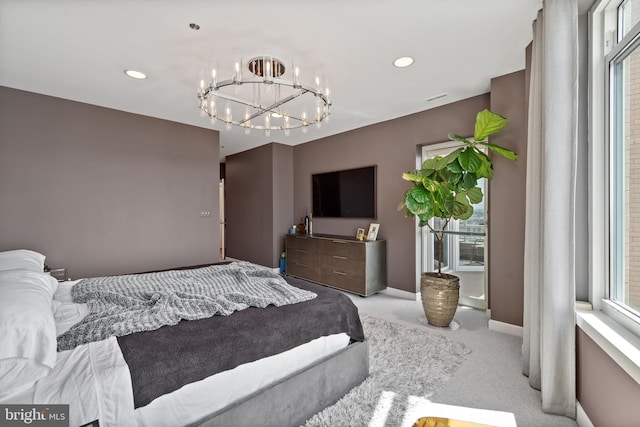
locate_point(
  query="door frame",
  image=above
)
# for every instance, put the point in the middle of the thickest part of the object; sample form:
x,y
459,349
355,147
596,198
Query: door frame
x,y
425,248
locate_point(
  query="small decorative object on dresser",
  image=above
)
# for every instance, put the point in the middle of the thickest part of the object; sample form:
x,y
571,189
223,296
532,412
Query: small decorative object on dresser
x,y
373,231
360,234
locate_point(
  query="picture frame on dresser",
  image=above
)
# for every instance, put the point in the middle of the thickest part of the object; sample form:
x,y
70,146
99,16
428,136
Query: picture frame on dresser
x,y
373,231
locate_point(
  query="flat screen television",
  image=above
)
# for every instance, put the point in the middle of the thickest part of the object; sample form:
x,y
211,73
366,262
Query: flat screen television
x,y
345,194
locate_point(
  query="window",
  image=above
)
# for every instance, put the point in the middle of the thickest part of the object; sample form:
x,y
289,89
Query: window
x,y
621,82
628,17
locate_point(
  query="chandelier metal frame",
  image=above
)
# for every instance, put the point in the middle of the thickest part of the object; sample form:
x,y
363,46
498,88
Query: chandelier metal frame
x,y
266,73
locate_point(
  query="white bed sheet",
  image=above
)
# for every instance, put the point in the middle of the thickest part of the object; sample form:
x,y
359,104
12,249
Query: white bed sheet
x,y
94,379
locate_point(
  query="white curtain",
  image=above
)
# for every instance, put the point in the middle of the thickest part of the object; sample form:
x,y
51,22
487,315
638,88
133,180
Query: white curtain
x,y
549,269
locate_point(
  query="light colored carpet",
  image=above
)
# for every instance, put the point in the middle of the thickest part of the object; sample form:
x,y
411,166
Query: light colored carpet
x,y
490,377
404,361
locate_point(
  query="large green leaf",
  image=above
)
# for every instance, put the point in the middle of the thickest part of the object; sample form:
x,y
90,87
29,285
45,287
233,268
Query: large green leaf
x,y
418,200
451,178
446,208
417,175
455,166
467,214
454,137
469,180
432,163
486,171
451,157
504,152
488,123
419,194
475,195
432,186
470,160
424,219
460,206
439,196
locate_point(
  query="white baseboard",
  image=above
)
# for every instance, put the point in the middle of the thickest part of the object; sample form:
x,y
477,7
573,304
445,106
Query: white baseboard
x,y
506,328
399,293
581,417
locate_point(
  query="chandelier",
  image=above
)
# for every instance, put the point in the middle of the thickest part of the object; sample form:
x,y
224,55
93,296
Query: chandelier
x,y
263,98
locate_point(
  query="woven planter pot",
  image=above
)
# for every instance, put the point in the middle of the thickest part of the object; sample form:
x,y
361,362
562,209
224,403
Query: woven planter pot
x,y
439,297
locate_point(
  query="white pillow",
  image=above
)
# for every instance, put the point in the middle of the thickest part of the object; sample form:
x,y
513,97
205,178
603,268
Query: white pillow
x,y
27,329
23,259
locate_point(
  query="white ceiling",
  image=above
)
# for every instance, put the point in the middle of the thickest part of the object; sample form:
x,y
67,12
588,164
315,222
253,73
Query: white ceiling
x,y
78,50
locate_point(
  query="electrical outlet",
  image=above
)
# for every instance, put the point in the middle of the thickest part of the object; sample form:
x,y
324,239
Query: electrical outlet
x,y
205,213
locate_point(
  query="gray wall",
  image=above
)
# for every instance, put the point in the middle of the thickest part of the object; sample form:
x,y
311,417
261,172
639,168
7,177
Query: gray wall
x,y
282,198
506,200
259,203
608,395
101,191
392,147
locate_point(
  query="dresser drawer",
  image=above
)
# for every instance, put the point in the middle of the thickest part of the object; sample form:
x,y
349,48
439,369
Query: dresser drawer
x,y
342,248
343,265
302,256
301,242
343,280
303,271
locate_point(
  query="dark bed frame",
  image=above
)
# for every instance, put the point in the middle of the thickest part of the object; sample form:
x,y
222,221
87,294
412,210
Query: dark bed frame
x,y
298,397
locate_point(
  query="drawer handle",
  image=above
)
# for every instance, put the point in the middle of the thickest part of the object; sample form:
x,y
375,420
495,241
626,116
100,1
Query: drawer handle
x,y
341,241
302,265
300,250
340,273
340,257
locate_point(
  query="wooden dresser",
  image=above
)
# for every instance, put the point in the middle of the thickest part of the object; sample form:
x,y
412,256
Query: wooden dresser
x,y
338,261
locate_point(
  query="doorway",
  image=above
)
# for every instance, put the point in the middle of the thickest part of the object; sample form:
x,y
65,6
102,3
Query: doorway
x,y
464,251
222,219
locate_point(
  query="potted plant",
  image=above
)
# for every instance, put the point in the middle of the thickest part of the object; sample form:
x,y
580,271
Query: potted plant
x,y
446,188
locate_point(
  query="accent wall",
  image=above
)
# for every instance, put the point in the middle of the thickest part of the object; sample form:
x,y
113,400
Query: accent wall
x,y
101,191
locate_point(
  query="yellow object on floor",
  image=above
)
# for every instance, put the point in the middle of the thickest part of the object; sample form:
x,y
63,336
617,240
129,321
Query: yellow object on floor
x,y
445,422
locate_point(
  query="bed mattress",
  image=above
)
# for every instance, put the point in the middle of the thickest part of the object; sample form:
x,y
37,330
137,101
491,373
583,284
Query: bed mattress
x,y
136,380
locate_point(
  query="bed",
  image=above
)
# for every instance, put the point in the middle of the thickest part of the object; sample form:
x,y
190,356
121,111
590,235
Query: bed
x,y
279,365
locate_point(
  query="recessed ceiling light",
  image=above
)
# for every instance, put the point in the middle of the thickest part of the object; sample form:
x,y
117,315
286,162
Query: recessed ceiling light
x,y
403,61
135,74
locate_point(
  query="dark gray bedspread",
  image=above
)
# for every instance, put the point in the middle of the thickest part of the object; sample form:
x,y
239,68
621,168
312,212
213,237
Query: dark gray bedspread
x,y
163,360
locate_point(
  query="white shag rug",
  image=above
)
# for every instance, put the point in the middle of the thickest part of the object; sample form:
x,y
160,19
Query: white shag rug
x,y
403,361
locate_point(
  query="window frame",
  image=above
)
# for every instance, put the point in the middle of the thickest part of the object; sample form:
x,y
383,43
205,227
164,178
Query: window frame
x,y
606,50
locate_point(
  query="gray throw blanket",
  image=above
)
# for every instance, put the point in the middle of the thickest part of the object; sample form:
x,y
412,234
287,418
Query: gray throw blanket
x,y
122,305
